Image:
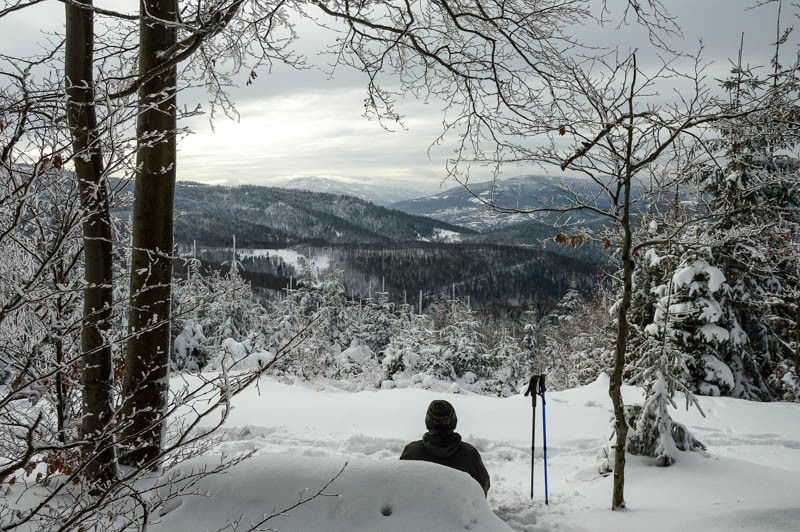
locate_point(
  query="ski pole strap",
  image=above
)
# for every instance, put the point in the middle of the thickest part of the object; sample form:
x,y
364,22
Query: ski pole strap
x,y
536,387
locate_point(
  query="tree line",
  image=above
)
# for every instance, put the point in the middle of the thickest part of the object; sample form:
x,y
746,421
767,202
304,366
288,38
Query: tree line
x,y
487,275
377,343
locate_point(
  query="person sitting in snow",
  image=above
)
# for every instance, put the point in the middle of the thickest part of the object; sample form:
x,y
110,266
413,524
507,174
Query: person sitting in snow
x,y
442,445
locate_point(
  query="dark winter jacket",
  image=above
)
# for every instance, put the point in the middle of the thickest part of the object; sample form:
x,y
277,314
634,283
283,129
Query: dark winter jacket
x,y
447,449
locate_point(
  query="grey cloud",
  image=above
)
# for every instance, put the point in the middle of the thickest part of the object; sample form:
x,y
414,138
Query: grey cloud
x,y
278,136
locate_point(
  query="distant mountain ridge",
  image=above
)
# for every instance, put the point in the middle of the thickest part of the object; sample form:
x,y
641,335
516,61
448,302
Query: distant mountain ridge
x,y
271,216
460,206
274,217
376,190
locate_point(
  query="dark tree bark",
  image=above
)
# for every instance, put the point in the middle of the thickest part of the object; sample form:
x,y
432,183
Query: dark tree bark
x,y
626,255
621,347
797,349
147,358
97,295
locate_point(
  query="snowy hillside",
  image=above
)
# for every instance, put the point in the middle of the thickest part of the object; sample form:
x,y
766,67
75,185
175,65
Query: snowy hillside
x,y
269,216
303,434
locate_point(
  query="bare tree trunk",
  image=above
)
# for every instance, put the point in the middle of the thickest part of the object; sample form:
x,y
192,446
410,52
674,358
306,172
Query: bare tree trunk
x,y
59,276
147,357
60,395
797,349
615,384
97,295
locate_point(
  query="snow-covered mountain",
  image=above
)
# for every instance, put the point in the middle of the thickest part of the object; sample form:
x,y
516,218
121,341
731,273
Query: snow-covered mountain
x,y
374,190
467,208
271,216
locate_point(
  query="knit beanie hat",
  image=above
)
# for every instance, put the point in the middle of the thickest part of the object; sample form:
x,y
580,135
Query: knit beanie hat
x,y
441,416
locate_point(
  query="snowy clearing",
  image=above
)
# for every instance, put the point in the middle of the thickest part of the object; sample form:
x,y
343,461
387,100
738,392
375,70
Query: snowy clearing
x,y
303,434
318,263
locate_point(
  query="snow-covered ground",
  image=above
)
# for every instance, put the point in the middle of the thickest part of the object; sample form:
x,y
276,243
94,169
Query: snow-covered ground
x,y
442,235
303,434
318,263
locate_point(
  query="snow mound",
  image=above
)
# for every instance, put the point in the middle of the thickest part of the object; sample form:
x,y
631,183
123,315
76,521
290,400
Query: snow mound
x,y
368,496
358,354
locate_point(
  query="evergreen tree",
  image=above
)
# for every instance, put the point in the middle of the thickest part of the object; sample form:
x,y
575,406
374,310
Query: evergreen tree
x,y
232,312
410,343
461,347
652,430
282,325
510,365
191,349
568,305
706,327
360,364
756,199
209,311
329,336
575,345
374,322
662,367
318,312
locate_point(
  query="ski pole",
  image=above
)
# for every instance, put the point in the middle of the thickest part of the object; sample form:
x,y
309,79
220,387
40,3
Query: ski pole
x,y
544,443
533,439
532,385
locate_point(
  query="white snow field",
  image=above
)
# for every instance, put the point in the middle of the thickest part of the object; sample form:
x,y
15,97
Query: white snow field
x,y
303,434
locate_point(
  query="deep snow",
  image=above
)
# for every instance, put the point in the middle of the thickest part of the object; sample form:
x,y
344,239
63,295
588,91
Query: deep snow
x,y
304,433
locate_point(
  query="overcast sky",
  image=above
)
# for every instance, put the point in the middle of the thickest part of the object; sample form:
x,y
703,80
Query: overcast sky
x,y
298,123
